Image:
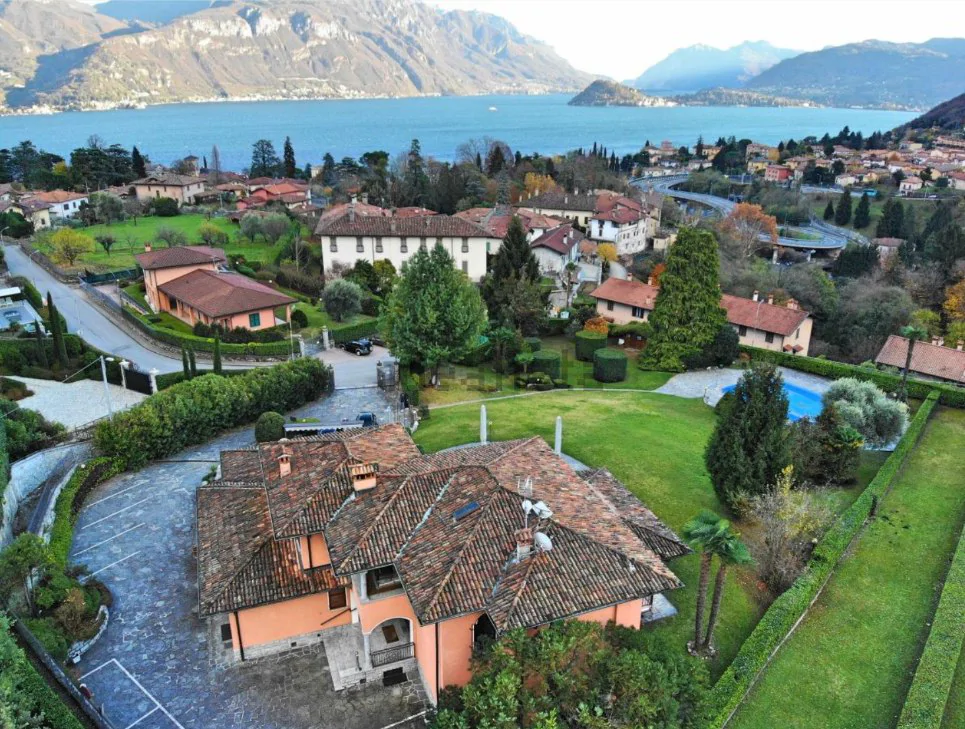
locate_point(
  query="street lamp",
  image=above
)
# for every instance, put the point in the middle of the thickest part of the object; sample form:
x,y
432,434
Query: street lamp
x,y
107,390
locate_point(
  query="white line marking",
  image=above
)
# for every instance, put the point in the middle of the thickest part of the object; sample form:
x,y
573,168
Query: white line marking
x,y
148,694
404,721
122,559
135,723
119,534
122,491
95,670
119,511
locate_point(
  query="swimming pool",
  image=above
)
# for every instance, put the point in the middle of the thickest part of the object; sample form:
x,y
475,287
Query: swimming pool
x,y
802,403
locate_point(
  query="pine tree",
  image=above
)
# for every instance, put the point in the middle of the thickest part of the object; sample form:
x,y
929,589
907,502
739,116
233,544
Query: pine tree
x,y
829,211
215,164
216,360
288,156
41,345
138,164
60,347
192,364
749,446
842,214
686,315
184,364
862,214
892,223
509,287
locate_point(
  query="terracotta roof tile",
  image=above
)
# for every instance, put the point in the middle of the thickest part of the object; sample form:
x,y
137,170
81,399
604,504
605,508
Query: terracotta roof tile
x,y
928,359
560,239
179,256
169,179
418,226
631,293
221,294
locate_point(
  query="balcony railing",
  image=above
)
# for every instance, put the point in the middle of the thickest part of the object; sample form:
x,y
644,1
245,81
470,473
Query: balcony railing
x,y
392,655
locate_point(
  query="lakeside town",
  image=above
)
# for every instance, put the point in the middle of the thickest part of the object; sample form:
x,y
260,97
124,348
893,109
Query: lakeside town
x,y
669,438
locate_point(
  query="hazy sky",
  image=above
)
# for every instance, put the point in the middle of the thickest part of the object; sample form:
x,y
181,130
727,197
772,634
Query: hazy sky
x,y
622,38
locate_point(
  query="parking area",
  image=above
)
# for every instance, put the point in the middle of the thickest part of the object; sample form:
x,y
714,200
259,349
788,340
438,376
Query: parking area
x,y
352,370
158,665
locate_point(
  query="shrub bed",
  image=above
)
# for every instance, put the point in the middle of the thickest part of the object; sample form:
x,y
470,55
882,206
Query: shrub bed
x,y
785,611
172,378
934,677
587,343
547,361
609,365
951,396
194,411
534,343
203,344
71,498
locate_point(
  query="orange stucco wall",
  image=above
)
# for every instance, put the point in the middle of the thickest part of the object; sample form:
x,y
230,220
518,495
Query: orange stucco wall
x,y
159,276
314,554
626,614
374,613
280,620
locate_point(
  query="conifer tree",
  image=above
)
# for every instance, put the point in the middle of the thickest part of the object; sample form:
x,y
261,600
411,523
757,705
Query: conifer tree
x,y
686,315
216,360
842,214
192,364
138,164
60,347
184,364
829,211
862,214
41,345
288,156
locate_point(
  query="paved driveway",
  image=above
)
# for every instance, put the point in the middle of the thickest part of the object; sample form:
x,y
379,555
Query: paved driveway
x,y
158,665
76,403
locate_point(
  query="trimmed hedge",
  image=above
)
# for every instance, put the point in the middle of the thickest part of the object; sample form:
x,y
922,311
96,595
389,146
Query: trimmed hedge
x,y
86,476
346,333
784,612
951,396
547,361
535,344
551,327
609,365
270,426
24,693
192,412
172,378
587,343
932,685
205,344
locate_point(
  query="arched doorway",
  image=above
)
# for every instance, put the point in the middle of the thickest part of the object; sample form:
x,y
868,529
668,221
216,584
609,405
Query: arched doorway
x,y
483,632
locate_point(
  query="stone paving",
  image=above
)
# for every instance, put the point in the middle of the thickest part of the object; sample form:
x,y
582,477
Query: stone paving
x,y
76,403
156,664
709,384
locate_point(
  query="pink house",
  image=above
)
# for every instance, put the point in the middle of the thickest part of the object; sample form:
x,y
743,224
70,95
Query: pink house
x,y
187,282
402,563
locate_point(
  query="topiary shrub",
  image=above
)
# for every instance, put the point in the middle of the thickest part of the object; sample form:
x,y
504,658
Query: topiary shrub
x,y
299,319
269,427
534,343
548,362
609,365
587,343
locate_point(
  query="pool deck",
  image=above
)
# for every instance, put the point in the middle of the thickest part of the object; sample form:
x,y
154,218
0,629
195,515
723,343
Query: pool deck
x,y
709,384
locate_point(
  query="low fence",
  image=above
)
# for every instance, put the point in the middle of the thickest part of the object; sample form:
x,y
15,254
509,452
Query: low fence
x,y
45,263
125,274
30,473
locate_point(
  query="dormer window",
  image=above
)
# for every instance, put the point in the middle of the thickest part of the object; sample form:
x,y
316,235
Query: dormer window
x,y
363,475
284,464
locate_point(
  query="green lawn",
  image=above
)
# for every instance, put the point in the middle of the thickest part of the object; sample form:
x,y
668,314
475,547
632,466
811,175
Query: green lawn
x,y
655,445
131,239
136,292
850,663
955,710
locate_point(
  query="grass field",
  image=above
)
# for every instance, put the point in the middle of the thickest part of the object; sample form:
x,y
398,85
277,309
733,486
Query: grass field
x,y
955,710
131,238
851,661
460,383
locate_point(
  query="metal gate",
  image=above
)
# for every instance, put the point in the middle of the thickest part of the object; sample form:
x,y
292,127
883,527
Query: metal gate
x,y
138,381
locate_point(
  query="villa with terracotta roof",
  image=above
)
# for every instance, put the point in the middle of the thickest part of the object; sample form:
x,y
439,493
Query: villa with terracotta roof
x,y
758,323
181,188
556,248
187,282
63,204
401,562
929,360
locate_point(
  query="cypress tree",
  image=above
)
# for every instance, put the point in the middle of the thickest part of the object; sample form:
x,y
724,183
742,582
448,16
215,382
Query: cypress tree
x,y
288,157
138,164
60,347
749,446
508,288
41,345
862,214
686,314
216,363
892,223
842,214
184,364
192,364
829,211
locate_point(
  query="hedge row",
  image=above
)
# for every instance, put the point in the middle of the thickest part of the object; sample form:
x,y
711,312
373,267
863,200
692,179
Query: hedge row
x,y
25,697
587,343
192,412
172,378
341,334
932,685
85,477
951,396
547,361
785,611
609,365
204,344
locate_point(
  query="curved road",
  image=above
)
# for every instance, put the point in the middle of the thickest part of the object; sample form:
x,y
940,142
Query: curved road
x,y
828,237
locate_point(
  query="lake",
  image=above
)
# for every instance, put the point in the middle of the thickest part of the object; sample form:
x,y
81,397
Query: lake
x,y
542,124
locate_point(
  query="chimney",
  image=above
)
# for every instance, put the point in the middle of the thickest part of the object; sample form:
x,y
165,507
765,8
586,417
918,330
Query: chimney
x,y
351,211
649,280
354,198
363,476
147,247
566,199
392,225
524,543
284,462
934,340
756,296
792,304
770,298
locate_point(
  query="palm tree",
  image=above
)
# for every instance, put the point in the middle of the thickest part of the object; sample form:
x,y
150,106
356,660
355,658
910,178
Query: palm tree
x,y
704,533
912,333
730,550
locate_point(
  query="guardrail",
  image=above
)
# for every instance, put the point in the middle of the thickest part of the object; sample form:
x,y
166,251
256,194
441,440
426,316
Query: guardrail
x,y
392,655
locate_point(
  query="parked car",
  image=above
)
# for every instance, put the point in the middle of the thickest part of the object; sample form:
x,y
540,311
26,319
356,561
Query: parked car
x,y
361,347
376,340
13,314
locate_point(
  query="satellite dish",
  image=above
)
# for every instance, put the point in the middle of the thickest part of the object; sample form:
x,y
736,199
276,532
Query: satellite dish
x,y
542,510
527,506
542,542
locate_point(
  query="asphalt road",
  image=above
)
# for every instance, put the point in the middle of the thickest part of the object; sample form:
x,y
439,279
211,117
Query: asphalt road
x,y
89,322
826,236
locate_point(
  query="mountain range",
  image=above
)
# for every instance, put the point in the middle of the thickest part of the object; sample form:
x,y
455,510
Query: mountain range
x,y
63,54
702,67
